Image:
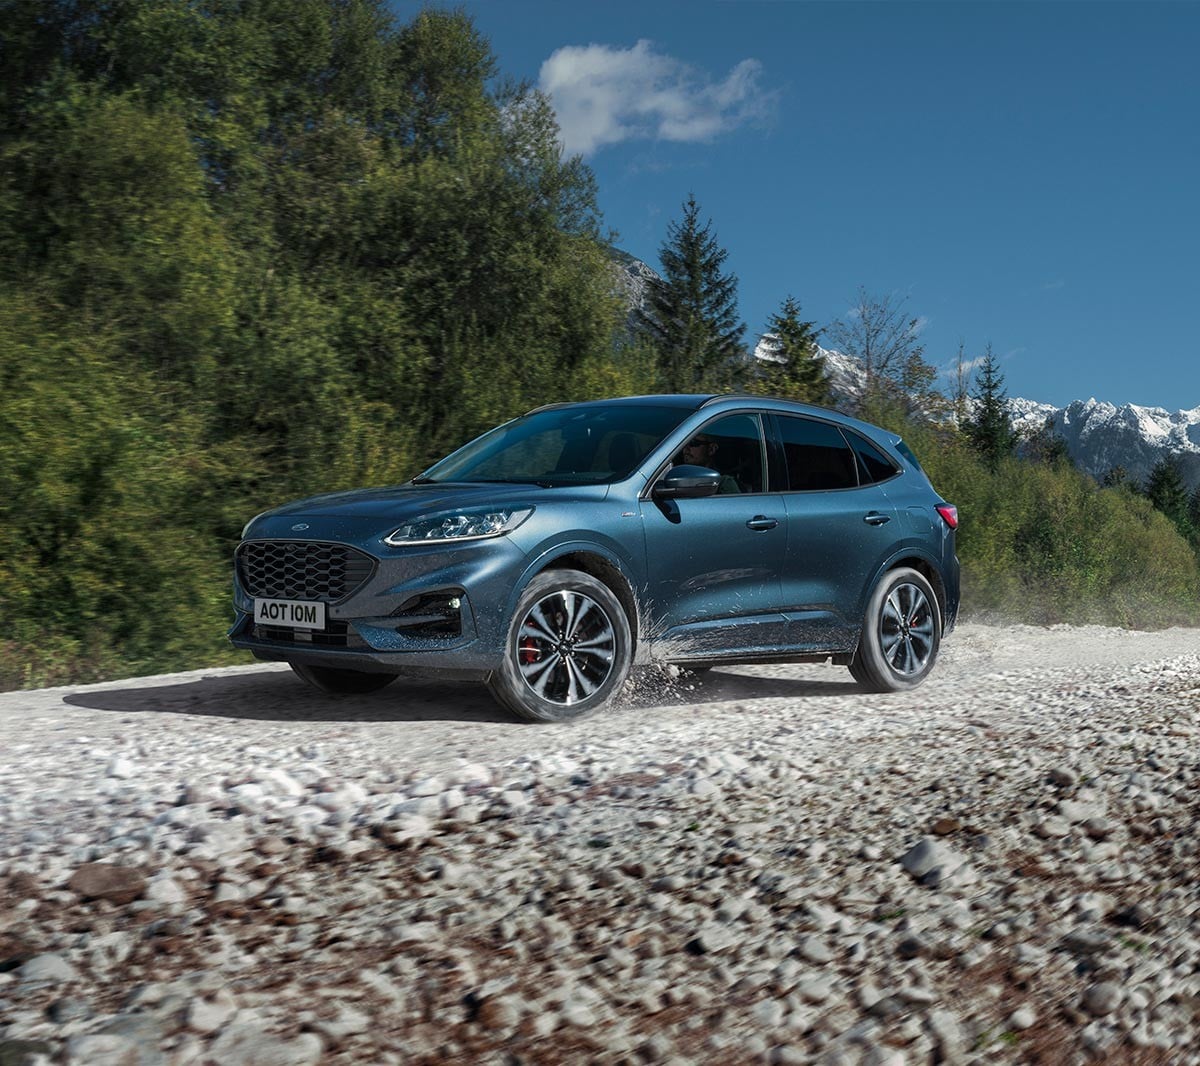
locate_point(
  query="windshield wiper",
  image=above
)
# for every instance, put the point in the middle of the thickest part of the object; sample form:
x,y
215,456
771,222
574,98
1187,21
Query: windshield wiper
x,y
424,481
512,481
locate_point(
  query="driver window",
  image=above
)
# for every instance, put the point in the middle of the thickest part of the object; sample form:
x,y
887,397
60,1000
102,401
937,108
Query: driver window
x,y
733,447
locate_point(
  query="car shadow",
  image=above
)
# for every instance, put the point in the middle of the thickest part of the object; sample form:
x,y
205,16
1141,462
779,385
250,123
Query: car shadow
x,y
278,696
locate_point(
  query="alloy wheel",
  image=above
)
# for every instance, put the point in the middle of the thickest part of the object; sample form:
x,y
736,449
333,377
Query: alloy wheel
x,y
566,647
907,630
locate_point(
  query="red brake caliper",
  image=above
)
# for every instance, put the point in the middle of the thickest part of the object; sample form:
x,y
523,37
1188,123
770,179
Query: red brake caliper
x,y
529,652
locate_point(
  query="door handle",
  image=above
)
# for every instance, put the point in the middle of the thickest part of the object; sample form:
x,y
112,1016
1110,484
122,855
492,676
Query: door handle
x,y
874,518
762,522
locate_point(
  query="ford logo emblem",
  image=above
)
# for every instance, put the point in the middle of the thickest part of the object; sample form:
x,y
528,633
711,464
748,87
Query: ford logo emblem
x,y
299,527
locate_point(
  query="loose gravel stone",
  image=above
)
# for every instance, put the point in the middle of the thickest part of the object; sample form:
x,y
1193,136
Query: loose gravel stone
x,y
101,880
928,855
52,968
765,865
1103,997
206,1014
246,1044
1022,1018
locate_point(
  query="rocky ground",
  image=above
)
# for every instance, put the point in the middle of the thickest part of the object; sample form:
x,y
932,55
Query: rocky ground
x,y
758,866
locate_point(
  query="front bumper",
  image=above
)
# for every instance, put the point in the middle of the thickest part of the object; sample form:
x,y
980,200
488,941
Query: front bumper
x,y
423,610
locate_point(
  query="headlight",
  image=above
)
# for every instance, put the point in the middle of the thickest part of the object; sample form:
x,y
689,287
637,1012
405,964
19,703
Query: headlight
x,y
464,526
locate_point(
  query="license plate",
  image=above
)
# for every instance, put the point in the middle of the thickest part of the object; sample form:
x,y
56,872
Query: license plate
x,y
300,614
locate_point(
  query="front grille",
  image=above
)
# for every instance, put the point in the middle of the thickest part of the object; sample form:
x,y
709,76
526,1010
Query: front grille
x,y
302,570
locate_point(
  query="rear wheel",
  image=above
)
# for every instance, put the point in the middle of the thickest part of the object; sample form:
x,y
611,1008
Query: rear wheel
x,y
568,650
901,635
334,682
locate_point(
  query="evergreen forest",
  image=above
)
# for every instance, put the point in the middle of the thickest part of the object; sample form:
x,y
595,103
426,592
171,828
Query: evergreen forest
x,y
252,250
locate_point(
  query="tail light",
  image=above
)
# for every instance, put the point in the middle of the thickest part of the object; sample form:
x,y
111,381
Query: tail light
x,y
949,514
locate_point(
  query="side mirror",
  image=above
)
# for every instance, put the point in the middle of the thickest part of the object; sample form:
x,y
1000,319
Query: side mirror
x,y
686,483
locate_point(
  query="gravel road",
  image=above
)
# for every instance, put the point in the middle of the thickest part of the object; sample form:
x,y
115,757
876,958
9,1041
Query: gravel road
x,y
760,865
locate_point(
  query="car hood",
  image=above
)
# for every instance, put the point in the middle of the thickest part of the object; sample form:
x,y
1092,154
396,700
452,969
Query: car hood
x,y
407,501
362,513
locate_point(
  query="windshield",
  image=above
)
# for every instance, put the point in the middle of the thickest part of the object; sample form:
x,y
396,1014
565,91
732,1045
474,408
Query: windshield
x,y
584,445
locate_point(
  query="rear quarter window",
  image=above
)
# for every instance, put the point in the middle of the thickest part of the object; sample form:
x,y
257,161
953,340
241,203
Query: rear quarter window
x,y
816,455
908,454
873,465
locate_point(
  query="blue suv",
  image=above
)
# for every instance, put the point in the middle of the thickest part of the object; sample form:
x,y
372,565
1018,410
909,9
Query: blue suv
x,y
555,552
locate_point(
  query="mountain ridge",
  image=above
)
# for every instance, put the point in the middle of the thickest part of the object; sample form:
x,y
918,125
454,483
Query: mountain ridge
x,y
1099,435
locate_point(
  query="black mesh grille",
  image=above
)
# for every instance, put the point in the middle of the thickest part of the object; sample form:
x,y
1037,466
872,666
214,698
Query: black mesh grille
x,y
302,570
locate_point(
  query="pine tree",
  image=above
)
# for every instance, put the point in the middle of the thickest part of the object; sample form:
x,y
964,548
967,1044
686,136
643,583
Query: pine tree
x,y
1045,445
1117,477
988,428
691,314
1166,489
797,371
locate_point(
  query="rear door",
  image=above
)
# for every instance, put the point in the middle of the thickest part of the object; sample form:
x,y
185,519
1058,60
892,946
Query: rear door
x,y
840,529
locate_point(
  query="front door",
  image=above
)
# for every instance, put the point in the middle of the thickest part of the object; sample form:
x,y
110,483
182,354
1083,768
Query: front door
x,y
713,564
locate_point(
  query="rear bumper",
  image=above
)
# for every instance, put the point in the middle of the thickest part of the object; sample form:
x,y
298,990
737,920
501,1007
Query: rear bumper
x,y
953,592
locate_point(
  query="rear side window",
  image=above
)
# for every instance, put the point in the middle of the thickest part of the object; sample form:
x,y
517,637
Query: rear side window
x,y
907,452
817,456
873,465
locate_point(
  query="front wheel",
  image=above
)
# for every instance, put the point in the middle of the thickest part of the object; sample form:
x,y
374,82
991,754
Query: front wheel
x,y
902,631
334,682
568,650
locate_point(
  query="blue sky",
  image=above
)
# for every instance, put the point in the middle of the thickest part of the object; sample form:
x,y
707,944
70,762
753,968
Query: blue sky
x,y
1026,174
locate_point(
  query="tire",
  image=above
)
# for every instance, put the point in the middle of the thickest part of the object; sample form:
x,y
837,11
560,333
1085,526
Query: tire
x,y
568,649
901,634
334,682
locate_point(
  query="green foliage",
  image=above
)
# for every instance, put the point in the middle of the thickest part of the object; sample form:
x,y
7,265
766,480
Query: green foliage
x,y
1116,477
255,249
799,370
110,558
692,318
1168,492
988,428
1045,445
250,251
1044,543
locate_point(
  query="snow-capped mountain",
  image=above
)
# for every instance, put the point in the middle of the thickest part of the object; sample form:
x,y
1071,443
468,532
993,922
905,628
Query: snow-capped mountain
x,y
1100,436
846,376
633,279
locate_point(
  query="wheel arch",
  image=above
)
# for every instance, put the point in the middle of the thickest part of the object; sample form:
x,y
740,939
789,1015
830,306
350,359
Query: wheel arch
x,y
604,569
916,560
929,572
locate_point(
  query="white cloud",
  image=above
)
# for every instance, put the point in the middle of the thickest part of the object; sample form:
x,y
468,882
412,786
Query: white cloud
x,y
604,95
